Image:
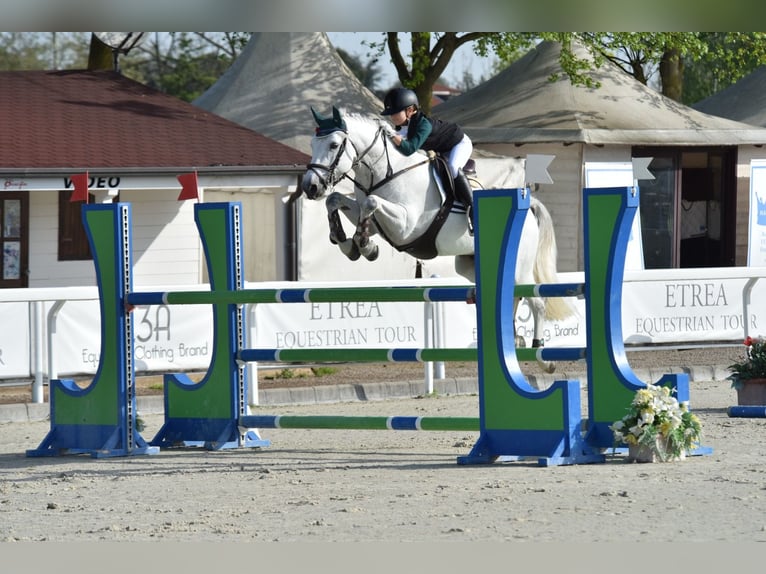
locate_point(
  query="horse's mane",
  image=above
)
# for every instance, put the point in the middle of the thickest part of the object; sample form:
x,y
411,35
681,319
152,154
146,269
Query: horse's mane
x,y
358,122
373,122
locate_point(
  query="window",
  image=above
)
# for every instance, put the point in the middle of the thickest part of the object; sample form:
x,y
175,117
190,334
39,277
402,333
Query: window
x,y
73,241
14,243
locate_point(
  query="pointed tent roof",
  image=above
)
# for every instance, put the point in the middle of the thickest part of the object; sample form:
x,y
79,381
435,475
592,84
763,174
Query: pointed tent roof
x,y
743,101
522,105
277,77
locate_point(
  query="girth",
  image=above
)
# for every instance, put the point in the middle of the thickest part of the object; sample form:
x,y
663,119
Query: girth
x,y
424,247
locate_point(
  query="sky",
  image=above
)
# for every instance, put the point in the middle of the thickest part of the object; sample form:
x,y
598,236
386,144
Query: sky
x,y
463,59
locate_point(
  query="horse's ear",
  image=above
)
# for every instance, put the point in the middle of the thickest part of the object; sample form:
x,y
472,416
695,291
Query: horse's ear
x,y
337,120
317,118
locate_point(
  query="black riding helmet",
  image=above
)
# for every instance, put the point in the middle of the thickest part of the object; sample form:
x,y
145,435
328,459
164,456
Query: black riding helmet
x,y
398,99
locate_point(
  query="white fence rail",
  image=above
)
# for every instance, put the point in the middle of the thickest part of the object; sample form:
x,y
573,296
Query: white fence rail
x,y
52,332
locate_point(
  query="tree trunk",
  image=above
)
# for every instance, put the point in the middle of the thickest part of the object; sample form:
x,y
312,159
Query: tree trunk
x,y
672,74
428,63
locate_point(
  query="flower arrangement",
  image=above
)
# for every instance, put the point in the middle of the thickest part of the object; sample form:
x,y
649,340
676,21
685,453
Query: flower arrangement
x,y
754,365
657,421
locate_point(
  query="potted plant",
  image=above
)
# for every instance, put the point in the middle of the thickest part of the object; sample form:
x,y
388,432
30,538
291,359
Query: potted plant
x,y
657,427
748,377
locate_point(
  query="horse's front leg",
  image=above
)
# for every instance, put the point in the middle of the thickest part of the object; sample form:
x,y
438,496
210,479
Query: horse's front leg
x,y
393,216
350,208
365,228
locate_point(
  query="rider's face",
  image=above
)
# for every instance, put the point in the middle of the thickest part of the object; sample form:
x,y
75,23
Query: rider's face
x,y
401,117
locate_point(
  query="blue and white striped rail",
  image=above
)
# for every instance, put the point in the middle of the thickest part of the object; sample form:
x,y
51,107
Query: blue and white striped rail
x,y
401,355
343,294
397,423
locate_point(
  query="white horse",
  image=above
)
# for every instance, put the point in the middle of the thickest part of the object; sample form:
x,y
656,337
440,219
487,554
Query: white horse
x,y
400,198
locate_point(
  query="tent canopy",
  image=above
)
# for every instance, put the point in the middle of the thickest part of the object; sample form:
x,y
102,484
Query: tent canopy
x,y
744,101
278,77
522,105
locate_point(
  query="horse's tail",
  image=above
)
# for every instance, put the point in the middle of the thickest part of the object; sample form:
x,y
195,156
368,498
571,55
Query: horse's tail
x,y
556,308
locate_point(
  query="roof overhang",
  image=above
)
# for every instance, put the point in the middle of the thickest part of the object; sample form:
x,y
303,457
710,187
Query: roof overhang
x,y
218,177
520,136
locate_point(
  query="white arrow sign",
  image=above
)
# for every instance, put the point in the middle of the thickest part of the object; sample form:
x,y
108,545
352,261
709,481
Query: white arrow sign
x,y
641,168
536,169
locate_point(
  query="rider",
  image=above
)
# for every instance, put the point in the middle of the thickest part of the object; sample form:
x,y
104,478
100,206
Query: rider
x,y
418,131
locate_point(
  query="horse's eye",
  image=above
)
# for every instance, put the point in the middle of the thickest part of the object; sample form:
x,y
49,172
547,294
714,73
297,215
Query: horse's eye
x,y
334,145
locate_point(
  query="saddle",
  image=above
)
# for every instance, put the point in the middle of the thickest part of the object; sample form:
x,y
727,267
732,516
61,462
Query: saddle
x,y
442,172
424,247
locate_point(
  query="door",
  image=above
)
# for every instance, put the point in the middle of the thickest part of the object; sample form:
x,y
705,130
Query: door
x,y
14,244
688,209
658,214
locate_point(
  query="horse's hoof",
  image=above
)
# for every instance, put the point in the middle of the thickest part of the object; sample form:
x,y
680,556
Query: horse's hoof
x,y
373,254
548,367
520,342
361,240
354,254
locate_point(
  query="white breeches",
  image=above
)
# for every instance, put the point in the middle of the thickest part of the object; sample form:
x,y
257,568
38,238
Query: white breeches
x,y
459,155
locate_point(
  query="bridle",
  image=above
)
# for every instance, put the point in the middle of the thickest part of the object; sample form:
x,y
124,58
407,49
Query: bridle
x,y
330,181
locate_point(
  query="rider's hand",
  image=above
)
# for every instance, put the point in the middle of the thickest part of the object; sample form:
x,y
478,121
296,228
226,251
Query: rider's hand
x,y
397,139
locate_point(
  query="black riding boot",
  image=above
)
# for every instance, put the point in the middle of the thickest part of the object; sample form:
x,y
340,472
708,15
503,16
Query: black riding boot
x,y
464,194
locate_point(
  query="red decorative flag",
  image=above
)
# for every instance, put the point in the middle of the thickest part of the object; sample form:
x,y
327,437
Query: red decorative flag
x,y
80,182
189,186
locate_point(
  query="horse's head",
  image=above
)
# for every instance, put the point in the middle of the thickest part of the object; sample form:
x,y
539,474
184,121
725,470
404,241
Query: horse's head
x,y
330,158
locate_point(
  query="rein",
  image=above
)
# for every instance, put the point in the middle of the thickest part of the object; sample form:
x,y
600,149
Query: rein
x,y
390,174
330,180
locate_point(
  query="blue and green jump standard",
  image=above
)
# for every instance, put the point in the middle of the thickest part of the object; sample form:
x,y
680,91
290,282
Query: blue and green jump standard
x,y
517,421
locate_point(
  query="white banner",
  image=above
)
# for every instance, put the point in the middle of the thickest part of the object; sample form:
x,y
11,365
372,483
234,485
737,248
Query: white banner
x,y
15,356
756,244
166,338
339,325
673,306
690,311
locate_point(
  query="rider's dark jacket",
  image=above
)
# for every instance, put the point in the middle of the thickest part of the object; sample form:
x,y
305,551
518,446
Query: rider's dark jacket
x,y
430,134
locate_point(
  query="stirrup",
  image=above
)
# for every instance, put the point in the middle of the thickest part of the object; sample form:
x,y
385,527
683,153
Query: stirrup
x,y
469,216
